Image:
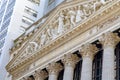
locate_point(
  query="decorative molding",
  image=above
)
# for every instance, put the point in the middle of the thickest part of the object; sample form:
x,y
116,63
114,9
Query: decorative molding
x,y
93,32
112,23
54,68
70,60
40,75
88,50
102,15
109,39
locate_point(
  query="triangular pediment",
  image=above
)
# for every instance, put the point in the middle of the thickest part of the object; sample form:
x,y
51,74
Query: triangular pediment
x,y
60,23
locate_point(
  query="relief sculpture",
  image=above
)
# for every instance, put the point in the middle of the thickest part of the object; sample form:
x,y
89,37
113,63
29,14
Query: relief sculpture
x,y
66,20
79,15
63,21
72,14
60,23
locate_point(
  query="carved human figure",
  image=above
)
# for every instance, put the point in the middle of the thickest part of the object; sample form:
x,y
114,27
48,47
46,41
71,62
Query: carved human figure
x,y
86,9
79,14
29,49
72,14
42,39
35,45
60,23
51,32
49,35
54,32
67,23
99,3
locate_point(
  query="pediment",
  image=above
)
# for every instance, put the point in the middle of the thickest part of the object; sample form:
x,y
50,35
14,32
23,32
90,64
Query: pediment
x,y
60,24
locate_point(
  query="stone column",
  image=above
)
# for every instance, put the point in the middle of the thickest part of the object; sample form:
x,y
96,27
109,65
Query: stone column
x,y
40,75
87,51
109,41
54,69
69,61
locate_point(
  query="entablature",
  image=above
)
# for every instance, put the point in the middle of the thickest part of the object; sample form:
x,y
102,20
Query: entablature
x,y
61,26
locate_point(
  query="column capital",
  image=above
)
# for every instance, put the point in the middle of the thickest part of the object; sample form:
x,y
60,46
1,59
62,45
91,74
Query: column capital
x,y
40,74
109,39
70,60
24,78
54,68
88,50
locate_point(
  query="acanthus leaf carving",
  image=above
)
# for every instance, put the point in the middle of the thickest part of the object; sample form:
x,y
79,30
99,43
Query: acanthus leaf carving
x,y
83,11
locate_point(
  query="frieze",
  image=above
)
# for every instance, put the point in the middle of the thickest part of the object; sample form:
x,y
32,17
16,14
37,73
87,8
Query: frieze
x,y
95,28
51,33
111,19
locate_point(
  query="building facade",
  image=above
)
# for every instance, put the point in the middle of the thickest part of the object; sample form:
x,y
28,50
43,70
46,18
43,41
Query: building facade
x,y
80,40
16,19
7,20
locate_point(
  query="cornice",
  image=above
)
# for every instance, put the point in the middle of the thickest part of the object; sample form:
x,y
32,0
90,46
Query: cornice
x,y
109,25
51,16
55,11
94,19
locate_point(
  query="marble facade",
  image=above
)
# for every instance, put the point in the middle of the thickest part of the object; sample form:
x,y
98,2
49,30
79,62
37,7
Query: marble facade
x,y
72,26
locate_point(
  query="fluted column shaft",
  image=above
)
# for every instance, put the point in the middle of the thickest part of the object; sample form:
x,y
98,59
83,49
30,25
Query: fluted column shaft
x,y
87,51
52,77
68,73
109,41
69,61
86,69
108,64
54,69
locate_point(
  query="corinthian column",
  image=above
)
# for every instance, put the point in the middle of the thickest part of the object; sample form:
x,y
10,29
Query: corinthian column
x,y
54,69
109,41
87,51
40,75
69,61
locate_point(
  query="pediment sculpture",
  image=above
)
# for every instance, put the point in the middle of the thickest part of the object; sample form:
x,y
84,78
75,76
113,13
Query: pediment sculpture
x,y
63,21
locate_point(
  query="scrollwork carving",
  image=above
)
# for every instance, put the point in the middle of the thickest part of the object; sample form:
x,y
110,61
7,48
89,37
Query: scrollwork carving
x,y
33,46
40,74
88,50
109,39
65,18
70,60
54,68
